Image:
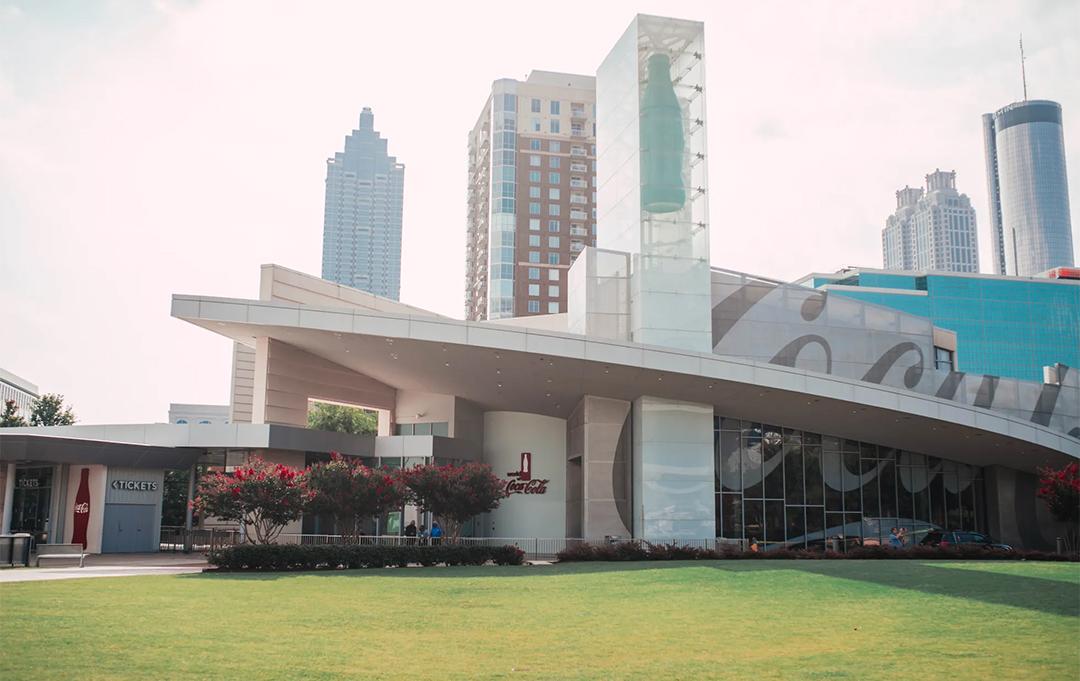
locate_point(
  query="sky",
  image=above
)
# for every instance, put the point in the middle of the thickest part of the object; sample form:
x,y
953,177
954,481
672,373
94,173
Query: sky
x,y
153,148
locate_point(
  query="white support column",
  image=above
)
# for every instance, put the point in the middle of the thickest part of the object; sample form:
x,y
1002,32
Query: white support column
x,y
9,497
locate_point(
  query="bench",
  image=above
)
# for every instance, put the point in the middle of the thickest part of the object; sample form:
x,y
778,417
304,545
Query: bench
x,y
60,551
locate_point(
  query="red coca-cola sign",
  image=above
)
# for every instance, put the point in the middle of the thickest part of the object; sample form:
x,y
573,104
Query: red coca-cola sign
x,y
82,509
522,481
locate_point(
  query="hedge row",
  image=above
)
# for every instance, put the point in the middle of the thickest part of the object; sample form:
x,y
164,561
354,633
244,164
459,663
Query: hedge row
x,y
331,556
646,551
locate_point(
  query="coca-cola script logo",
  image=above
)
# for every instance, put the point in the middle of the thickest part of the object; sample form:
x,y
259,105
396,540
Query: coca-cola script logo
x,y
523,482
82,508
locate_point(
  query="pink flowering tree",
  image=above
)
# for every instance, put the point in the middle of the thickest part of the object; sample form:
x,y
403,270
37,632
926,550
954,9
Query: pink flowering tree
x,y
264,497
352,492
454,493
1060,490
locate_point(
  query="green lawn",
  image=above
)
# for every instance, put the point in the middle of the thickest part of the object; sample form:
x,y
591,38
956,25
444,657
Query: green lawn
x,y
720,619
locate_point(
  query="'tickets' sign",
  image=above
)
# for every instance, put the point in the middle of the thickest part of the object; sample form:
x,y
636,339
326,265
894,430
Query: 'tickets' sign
x,y
524,482
135,485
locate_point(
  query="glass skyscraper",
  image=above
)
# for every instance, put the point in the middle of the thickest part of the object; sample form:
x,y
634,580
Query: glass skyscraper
x,y
1028,188
362,217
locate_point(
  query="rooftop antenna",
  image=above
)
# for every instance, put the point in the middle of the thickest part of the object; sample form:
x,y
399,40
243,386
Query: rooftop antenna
x,y
1023,71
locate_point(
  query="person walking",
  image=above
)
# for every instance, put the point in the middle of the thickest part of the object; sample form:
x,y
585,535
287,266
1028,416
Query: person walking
x,y
410,532
436,532
894,539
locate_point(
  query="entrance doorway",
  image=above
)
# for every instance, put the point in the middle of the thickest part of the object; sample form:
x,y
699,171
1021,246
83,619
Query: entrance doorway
x,y
129,528
32,502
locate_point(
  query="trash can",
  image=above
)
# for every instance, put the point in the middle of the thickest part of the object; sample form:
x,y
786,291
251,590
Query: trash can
x,y
15,549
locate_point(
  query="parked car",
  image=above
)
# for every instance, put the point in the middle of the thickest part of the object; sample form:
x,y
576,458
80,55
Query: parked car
x,y
957,538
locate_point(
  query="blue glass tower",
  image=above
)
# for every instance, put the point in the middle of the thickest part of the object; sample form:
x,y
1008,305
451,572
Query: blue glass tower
x,y
1029,191
362,217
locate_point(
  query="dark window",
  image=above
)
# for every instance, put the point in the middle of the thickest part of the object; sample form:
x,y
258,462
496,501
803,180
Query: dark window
x,y
793,474
796,528
754,520
943,359
773,462
774,521
731,515
815,494
834,481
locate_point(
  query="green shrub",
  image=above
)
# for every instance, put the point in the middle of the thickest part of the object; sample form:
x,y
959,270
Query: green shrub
x,y
351,556
645,551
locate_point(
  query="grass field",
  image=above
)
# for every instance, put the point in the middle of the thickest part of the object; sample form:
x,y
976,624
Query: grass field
x,y
721,619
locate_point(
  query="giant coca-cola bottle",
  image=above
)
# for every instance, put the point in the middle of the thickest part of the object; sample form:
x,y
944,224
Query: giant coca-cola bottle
x,y
82,509
662,141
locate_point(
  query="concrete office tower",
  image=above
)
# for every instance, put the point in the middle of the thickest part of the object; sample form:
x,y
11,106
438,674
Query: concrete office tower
x,y
531,204
932,231
652,190
362,217
897,239
19,389
1028,188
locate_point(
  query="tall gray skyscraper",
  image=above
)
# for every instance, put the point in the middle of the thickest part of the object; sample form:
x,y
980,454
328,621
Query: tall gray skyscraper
x,y
362,216
934,230
1029,192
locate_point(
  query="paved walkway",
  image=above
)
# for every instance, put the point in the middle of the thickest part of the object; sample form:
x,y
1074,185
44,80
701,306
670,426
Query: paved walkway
x,y
114,565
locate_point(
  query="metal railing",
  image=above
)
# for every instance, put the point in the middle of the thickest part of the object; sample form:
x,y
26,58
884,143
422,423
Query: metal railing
x,y
536,548
178,539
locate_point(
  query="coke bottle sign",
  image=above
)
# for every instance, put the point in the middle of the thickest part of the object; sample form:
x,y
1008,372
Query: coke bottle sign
x,y
522,481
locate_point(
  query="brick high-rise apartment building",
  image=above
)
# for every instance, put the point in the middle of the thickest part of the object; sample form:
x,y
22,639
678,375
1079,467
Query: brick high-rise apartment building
x,y
532,194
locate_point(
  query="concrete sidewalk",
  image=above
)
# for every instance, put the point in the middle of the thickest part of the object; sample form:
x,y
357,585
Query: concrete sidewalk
x,y
110,565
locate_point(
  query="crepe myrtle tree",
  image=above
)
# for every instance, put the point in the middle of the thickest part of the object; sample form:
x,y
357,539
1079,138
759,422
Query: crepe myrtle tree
x,y
1060,490
262,496
351,492
454,493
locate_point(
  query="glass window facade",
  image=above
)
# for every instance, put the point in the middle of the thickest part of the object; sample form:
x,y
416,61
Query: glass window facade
x,y
1008,327
785,487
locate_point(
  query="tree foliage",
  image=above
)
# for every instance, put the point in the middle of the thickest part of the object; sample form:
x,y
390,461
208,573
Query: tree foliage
x,y
352,492
10,418
1060,490
454,493
342,419
50,410
262,496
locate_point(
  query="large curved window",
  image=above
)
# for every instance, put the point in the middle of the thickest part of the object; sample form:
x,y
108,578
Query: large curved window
x,y
782,486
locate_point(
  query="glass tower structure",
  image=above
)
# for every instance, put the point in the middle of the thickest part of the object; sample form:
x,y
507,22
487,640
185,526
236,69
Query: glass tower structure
x,y
1005,326
362,216
652,204
1028,188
